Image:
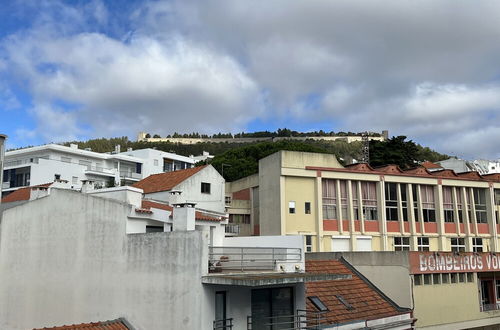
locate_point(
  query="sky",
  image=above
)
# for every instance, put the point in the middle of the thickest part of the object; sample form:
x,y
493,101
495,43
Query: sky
x,y
74,70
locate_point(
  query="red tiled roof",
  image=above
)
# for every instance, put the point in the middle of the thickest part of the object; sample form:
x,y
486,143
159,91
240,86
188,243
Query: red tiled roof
x,y
366,301
156,205
360,167
389,169
22,194
119,324
428,164
166,181
201,216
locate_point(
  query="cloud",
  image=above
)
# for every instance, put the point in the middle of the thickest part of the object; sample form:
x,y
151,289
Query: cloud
x,y
209,66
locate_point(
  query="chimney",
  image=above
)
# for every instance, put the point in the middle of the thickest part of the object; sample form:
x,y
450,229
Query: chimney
x,y
87,186
117,148
184,217
73,146
2,155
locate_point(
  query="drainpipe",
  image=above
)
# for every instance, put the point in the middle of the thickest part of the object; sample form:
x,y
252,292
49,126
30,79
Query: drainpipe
x,y
2,155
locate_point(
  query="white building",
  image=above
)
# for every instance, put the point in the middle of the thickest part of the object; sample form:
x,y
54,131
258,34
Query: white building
x,y
201,185
157,161
59,266
53,162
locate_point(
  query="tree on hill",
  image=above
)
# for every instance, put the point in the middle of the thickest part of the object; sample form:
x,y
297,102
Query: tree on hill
x,y
405,154
244,161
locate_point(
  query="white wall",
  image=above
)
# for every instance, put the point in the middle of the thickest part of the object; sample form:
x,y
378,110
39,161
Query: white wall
x,y
66,259
191,190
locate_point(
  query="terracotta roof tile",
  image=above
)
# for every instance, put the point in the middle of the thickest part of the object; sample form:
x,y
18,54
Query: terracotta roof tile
x,y
118,324
22,194
367,303
156,205
428,164
166,181
418,171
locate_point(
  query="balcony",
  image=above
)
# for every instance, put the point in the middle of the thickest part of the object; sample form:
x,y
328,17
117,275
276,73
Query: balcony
x,y
301,320
226,324
242,259
129,175
99,170
490,307
232,230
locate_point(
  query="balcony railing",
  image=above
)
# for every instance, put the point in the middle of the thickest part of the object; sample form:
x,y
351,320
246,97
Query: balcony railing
x,y
490,307
232,229
250,258
226,324
302,320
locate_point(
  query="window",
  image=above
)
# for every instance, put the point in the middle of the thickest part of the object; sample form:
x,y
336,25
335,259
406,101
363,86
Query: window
x,y
291,207
65,159
470,278
427,279
205,188
329,199
404,201
308,243
320,306
86,163
155,162
154,229
220,310
428,205
458,244
497,287
445,278
228,200
416,198
391,202
423,243
436,278
461,277
343,198
307,207
369,196
239,219
477,244
138,168
448,204
417,279
57,177
344,302
401,244
454,278
355,203
480,204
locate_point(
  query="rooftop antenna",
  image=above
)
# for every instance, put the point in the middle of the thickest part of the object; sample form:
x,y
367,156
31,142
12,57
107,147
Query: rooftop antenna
x,y
365,148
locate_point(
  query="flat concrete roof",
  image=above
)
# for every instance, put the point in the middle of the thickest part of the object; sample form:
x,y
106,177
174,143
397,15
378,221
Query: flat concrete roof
x,y
263,279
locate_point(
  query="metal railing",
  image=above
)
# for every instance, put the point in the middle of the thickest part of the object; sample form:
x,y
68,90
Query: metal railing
x,y
225,324
490,307
250,258
302,320
232,229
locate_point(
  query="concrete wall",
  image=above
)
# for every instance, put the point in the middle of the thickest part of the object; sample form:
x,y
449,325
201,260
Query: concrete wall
x,y
389,271
270,195
66,259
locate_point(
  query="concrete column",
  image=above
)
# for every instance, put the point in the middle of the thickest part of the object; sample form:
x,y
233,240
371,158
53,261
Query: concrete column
x,y
438,202
381,214
284,208
2,155
400,208
490,208
465,210
420,210
350,214
360,208
319,214
411,217
339,207
473,220
456,216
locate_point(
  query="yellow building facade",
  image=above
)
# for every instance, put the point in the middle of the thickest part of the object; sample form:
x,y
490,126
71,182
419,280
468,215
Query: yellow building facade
x,y
358,208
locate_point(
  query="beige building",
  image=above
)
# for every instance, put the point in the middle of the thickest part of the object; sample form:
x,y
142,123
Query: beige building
x,y
359,208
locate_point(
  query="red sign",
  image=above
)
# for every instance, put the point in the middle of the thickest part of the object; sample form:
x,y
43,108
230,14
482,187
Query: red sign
x,y
450,262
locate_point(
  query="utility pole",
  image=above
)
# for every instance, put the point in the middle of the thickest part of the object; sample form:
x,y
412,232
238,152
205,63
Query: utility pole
x,y
365,148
